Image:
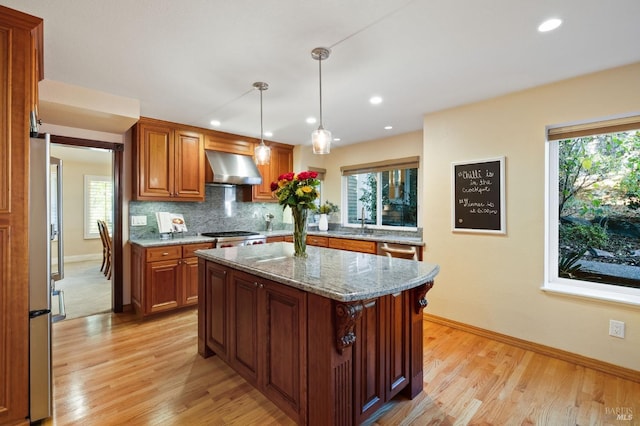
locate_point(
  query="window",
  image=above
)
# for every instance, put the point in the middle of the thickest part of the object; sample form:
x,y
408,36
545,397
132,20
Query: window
x,y
98,204
593,210
383,194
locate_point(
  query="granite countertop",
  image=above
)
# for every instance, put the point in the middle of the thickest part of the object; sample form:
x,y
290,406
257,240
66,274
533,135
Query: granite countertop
x,y
381,238
355,235
157,242
336,274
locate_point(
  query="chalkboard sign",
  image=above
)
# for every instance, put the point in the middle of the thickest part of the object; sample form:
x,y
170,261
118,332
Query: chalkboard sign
x,y
478,196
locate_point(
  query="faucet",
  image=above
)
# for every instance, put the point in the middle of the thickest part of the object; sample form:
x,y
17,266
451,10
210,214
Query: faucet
x,y
362,220
268,218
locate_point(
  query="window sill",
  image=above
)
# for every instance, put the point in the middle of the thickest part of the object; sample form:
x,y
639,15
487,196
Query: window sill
x,y
600,292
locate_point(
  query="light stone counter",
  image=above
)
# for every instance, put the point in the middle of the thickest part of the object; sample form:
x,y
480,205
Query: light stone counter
x,y
336,274
157,242
354,235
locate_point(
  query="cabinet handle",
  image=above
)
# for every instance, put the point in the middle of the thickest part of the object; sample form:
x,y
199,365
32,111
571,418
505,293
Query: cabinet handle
x,y
255,284
261,286
165,254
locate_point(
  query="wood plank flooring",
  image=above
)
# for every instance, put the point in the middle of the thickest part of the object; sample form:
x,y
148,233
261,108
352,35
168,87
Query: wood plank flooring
x,y
115,370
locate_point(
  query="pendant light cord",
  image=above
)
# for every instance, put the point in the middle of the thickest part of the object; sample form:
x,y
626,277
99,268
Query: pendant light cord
x,y
261,131
320,74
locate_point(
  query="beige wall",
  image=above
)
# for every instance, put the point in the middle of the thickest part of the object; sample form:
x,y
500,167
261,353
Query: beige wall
x,y
494,282
76,163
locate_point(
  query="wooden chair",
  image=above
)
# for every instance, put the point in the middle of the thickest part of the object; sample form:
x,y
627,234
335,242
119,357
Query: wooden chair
x,y
106,248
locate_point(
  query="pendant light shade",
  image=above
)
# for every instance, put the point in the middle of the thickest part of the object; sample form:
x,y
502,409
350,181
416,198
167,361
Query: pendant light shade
x,y
320,138
262,152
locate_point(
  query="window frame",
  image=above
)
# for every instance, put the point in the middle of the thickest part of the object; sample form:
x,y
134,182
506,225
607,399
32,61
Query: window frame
x,y
378,168
87,226
553,283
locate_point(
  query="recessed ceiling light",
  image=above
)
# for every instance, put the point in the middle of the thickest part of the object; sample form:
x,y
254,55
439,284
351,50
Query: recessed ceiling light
x,y
375,100
388,127
268,134
215,123
549,25
311,120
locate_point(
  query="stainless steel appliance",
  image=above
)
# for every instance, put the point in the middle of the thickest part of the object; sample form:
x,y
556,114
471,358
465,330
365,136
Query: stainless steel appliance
x,y
41,248
236,238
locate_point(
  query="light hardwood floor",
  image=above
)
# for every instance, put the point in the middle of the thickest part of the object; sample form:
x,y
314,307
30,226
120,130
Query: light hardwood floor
x,y
115,370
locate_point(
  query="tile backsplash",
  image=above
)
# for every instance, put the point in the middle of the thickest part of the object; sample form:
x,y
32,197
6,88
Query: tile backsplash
x,y
219,212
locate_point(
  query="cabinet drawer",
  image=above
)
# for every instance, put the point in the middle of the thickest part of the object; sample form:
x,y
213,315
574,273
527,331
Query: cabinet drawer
x,y
188,249
275,239
164,253
313,240
353,245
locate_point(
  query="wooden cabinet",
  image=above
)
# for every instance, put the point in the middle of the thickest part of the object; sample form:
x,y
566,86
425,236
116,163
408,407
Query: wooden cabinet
x,y
168,162
381,353
353,245
319,241
164,278
281,162
321,361
258,327
215,303
20,53
276,239
227,142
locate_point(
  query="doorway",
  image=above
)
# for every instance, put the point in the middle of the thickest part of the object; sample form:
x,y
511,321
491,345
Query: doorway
x,y
84,287
85,262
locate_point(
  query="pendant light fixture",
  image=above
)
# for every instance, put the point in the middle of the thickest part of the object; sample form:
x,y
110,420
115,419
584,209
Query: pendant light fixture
x,y
321,138
262,152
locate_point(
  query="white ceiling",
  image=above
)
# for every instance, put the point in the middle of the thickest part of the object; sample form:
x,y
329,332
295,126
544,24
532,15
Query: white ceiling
x,y
196,60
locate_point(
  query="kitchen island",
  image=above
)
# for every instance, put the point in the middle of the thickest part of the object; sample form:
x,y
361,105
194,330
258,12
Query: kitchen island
x,y
329,338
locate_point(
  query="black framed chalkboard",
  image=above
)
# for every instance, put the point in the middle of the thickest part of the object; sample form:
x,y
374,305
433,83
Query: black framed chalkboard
x,y
478,196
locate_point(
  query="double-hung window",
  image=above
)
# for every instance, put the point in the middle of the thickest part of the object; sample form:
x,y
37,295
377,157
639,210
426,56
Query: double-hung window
x,y
592,222
98,204
382,194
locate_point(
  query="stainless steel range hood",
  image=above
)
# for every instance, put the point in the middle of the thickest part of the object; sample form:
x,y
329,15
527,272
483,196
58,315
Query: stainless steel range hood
x,y
233,169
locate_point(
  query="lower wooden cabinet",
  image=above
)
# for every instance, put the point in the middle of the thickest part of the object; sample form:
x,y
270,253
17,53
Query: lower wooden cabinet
x,y
259,327
353,245
268,339
297,348
381,353
164,278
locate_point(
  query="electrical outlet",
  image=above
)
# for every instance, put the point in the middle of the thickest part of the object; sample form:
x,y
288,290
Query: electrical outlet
x,y
616,328
138,220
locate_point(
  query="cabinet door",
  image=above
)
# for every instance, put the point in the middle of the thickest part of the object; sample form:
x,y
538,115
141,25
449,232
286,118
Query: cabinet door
x,y
282,324
243,331
189,283
369,365
162,280
217,298
281,162
397,352
17,41
154,161
189,165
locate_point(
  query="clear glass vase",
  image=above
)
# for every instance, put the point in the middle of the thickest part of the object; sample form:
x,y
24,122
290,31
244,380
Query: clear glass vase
x,y
300,231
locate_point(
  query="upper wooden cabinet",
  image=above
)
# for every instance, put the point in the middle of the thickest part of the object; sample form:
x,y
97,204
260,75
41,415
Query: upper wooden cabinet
x,y
168,162
227,142
20,69
281,162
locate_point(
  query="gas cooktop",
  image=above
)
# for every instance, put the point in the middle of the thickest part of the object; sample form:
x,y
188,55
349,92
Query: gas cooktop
x,y
223,234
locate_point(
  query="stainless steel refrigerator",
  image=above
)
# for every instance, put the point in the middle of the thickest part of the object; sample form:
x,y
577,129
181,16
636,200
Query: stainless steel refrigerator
x,y
44,239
